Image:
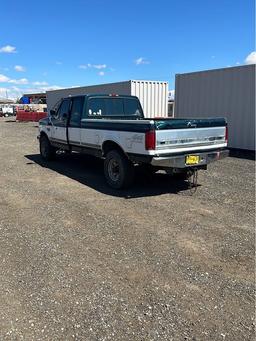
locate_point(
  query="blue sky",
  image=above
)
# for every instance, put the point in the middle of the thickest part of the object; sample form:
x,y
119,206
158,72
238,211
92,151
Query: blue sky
x,y
46,44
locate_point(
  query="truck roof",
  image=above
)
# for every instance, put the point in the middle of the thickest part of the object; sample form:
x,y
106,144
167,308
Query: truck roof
x,y
101,95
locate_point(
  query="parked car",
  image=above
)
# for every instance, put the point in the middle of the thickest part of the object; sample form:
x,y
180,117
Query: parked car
x,y
114,128
8,110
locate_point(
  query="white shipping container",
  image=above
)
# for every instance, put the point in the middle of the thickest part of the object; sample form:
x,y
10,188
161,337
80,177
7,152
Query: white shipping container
x,y
153,95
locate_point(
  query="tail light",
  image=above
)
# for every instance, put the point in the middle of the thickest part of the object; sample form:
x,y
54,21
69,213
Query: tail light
x,y
226,134
150,140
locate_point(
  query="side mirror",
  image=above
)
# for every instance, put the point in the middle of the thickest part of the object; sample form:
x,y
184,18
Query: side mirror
x,y
52,112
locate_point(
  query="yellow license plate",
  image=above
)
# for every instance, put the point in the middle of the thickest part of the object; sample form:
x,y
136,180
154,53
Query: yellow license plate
x,y
192,159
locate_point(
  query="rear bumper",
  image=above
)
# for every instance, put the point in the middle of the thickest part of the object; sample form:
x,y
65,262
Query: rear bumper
x,y
178,161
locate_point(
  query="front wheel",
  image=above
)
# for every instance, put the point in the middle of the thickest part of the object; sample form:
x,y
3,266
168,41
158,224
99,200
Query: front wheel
x,y
118,170
47,151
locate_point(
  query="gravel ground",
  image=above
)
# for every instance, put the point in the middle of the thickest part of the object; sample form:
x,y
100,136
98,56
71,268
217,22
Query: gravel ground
x,y
80,261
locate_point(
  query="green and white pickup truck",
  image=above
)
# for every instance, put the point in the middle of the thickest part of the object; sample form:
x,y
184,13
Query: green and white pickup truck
x,y
114,128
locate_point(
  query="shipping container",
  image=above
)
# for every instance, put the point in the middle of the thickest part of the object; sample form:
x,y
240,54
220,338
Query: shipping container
x,y
153,95
227,92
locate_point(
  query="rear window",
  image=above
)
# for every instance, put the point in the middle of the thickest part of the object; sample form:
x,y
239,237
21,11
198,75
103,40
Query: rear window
x,y
96,107
114,107
132,107
109,107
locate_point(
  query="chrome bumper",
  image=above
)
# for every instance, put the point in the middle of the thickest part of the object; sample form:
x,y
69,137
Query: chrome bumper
x,y
179,161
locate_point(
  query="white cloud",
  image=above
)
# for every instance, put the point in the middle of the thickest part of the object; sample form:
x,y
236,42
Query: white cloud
x,y
8,49
4,79
141,60
99,66
237,63
251,58
94,66
51,87
101,73
59,63
18,81
12,93
19,68
15,92
40,83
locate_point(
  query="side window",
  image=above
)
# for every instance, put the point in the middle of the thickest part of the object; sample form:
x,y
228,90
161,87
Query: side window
x,y
63,110
114,107
76,111
96,108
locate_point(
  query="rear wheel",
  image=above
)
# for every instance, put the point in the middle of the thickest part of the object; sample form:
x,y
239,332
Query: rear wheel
x,y
118,170
47,151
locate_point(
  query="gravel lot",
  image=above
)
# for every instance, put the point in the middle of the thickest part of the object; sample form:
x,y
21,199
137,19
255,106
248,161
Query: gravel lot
x,y
80,261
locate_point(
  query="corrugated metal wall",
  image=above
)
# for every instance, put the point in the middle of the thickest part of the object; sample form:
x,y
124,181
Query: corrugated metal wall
x,y
228,92
153,95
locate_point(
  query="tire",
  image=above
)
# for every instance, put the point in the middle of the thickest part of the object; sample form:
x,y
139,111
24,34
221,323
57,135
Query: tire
x,y
47,151
118,170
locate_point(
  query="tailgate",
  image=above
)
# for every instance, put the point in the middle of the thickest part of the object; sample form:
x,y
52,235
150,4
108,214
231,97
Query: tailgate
x,y
177,135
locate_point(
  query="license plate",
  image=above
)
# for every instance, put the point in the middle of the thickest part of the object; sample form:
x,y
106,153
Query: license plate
x,y
192,159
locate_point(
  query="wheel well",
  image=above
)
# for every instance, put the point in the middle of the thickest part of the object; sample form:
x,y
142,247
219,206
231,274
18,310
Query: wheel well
x,y
110,145
43,134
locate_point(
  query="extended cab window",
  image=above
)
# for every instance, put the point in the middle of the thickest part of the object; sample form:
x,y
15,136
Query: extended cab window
x,y
76,111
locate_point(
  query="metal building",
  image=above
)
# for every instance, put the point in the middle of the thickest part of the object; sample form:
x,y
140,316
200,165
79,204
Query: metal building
x,y
227,92
153,95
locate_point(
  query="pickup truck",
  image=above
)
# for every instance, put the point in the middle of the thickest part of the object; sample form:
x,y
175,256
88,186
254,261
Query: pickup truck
x,y
113,127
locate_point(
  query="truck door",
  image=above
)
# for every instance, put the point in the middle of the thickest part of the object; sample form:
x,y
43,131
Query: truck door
x,y
74,126
59,122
